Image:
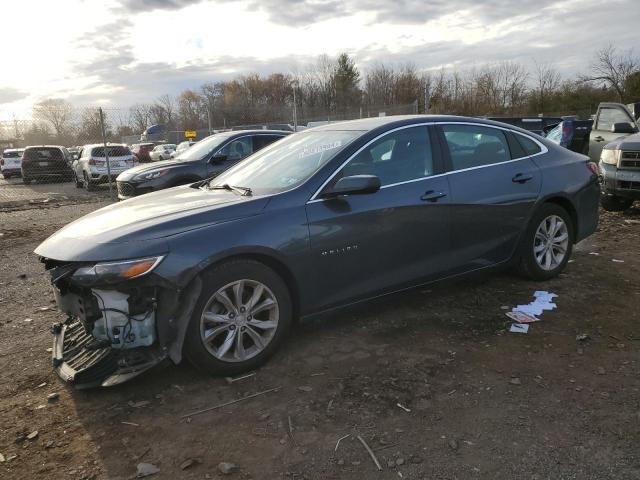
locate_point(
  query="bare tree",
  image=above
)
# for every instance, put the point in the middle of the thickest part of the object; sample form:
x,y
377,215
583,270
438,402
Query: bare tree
x,y
140,115
547,81
57,112
614,67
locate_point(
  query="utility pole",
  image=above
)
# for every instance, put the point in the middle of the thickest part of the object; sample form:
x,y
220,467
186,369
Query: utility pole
x,y
209,118
106,155
426,97
295,107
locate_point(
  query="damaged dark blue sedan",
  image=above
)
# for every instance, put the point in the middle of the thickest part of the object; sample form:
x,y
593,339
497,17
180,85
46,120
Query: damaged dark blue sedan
x,y
218,270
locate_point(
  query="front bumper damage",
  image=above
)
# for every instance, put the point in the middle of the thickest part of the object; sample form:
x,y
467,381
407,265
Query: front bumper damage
x,y
114,333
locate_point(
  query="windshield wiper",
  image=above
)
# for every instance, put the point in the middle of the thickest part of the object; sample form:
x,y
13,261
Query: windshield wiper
x,y
244,191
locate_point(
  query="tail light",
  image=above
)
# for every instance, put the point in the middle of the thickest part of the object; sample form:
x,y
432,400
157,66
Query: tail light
x,y
92,161
566,135
593,167
1,161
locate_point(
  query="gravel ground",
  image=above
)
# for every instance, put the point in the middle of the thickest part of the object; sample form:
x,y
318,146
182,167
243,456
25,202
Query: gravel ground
x,y
429,379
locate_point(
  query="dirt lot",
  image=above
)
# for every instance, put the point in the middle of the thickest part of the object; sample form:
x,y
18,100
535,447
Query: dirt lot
x,y
482,403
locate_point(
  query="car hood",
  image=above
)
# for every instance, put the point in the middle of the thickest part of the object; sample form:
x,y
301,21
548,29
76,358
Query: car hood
x,y
152,167
629,142
138,227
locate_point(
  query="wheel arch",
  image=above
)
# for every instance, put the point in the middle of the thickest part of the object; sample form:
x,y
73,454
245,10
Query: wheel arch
x,y
567,205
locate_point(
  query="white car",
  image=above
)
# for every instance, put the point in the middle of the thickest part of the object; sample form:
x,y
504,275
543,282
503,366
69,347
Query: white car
x,y
162,152
90,169
182,146
11,162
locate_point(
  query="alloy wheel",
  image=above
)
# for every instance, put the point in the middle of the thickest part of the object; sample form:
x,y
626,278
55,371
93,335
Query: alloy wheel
x,y
239,320
551,242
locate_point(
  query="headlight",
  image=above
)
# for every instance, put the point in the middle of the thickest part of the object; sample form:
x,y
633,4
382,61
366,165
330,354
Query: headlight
x,y
610,156
115,272
151,175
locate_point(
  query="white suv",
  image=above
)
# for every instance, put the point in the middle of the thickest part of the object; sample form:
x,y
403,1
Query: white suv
x,y
90,169
162,152
11,161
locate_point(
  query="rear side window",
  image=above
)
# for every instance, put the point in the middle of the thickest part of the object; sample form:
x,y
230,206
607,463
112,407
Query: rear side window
x,y
112,151
608,116
44,153
261,141
529,146
475,146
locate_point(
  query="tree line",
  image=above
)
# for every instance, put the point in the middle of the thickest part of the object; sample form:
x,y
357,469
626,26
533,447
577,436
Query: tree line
x,y
335,88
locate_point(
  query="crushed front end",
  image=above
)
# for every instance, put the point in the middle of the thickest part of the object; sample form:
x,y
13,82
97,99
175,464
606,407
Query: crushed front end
x,y
111,331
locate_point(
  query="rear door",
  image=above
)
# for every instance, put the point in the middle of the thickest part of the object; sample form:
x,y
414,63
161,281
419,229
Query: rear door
x,y
494,185
607,116
369,243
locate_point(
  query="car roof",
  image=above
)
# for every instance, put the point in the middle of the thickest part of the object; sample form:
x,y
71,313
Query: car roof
x,y
44,146
92,145
13,150
368,124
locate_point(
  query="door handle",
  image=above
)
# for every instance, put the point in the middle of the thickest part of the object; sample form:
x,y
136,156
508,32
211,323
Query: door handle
x,y
432,196
521,178
599,139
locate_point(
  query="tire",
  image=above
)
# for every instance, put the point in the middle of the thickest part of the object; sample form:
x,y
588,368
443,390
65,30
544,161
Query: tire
x,y
612,203
223,277
77,182
88,186
530,265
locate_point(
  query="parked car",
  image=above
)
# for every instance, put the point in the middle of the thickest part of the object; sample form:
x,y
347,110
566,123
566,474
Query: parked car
x,y
207,158
572,134
10,162
74,152
46,162
162,152
142,151
217,271
615,144
533,124
182,146
91,169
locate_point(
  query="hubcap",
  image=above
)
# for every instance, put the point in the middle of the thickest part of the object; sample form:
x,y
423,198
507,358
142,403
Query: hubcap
x,y
551,242
239,320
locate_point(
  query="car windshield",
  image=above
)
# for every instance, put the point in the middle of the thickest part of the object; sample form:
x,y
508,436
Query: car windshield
x,y
287,163
203,149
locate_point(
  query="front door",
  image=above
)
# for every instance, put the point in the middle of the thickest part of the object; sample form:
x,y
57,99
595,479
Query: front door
x,y
601,133
369,243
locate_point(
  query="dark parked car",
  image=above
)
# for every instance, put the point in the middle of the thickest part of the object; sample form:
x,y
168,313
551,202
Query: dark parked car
x,y
218,270
207,158
572,134
142,151
47,162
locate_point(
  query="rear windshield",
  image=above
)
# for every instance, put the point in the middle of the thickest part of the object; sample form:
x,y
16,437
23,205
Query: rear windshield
x,y
43,153
12,154
112,151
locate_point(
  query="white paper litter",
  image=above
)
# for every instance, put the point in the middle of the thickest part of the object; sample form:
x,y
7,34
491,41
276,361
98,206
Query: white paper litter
x,y
519,328
617,261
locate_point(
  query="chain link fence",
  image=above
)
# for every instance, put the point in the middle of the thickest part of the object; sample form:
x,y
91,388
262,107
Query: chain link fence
x,y
76,154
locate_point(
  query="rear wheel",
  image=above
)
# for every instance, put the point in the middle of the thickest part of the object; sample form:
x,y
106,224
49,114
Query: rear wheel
x,y
242,316
77,180
547,244
612,203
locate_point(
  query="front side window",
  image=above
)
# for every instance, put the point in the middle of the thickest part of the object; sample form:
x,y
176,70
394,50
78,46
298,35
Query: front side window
x,y
474,145
609,116
287,164
237,149
397,157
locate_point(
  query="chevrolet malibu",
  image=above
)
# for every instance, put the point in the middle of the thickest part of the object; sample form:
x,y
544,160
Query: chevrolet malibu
x,y
218,270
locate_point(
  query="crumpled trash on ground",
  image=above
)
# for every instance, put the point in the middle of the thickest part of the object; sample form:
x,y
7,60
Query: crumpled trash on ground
x,y
525,314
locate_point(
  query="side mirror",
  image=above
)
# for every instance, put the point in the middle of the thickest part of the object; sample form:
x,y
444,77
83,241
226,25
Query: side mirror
x,y
354,185
218,158
623,127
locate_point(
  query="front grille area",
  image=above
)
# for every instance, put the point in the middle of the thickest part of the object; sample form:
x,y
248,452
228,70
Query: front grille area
x,y
629,185
126,189
630,160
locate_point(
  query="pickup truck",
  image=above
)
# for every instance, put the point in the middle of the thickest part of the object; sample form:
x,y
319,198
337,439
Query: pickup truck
x,y
614,144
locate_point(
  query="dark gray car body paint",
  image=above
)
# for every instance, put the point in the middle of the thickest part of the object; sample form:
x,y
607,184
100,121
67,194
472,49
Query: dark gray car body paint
x,y
401,240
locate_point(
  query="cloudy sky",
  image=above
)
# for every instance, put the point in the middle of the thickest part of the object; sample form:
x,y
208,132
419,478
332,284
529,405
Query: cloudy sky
x,y
118,52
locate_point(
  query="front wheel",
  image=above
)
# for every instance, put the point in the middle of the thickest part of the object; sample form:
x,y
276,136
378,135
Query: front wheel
x,y
88,185
612,203
242,316
547,244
